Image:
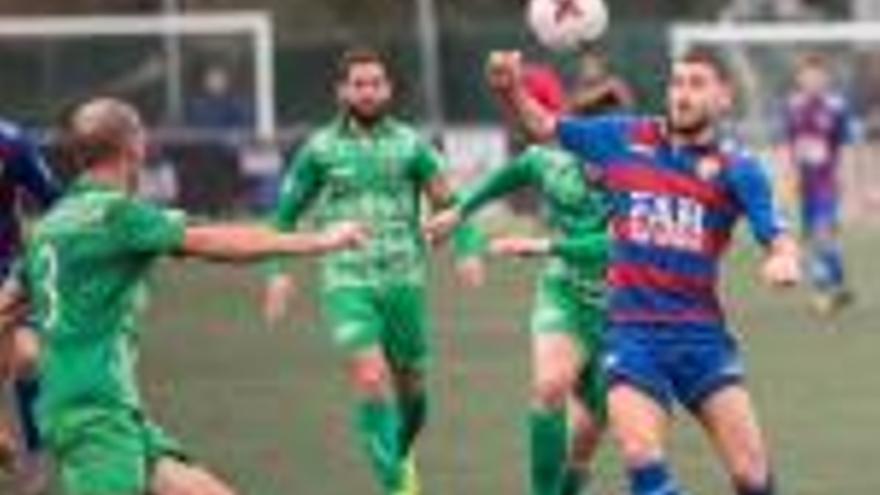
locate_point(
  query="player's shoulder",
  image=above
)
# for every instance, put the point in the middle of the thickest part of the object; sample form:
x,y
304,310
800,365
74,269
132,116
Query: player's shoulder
x,y
738,159
836,101
321,138
795,100
406,134
12,134
628,126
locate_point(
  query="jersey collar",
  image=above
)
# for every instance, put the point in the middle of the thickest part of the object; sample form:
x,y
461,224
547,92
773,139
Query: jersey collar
x,y
347,125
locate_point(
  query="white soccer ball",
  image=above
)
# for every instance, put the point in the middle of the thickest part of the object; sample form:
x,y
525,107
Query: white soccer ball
x,y
565,24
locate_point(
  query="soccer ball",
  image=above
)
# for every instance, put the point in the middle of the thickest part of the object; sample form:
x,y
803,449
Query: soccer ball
x,y
564,24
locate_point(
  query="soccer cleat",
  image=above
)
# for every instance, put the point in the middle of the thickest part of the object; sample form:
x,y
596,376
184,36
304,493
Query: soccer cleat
x,y
410,482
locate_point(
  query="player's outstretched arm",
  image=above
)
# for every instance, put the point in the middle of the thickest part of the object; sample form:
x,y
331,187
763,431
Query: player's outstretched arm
x,y
468,242
504,71
243,243
488,188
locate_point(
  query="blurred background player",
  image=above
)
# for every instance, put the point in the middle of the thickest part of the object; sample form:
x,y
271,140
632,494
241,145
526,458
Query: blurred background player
x,y
24,174
597,89
677,192
567,412
84,271
817,129
367,166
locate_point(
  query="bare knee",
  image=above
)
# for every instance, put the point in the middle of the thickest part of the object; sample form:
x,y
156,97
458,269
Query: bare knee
x,y
638,424
370,376
555,364
172,477
750,467
552,387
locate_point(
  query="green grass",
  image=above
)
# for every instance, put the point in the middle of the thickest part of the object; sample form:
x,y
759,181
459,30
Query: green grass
x,y
268,408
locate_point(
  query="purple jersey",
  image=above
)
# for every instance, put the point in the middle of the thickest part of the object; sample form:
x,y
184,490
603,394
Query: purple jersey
x,y
22,170
673,213
816,127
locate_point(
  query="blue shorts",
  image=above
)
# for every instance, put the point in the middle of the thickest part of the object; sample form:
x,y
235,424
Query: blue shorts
x,y
685,363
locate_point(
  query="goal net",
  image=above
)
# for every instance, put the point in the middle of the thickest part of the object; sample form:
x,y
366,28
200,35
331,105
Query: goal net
x,y
763,58
167,64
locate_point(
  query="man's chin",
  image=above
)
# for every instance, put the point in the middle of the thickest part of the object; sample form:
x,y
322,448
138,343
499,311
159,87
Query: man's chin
x,y
688,128
368,117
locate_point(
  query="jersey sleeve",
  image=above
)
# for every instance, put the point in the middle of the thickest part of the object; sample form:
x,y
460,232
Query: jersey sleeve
x,y
147,228
499,182
299,188
426,161
31,173
751,187
595,140
583,248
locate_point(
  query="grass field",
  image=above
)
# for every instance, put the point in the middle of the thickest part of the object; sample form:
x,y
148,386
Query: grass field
x,y
267,408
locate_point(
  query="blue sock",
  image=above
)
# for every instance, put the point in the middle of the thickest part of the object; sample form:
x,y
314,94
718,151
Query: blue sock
x,y
26,391
833,260
653,479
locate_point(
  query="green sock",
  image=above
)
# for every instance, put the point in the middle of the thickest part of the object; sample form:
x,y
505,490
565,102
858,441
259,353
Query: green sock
x,y
378,426
549,439
574,480
413,412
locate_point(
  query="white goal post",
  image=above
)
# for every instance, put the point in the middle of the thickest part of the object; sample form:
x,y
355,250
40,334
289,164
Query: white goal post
x,y
685,35
255,24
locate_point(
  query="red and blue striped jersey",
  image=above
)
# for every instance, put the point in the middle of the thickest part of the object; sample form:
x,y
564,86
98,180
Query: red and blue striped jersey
x,y
22,170
673,213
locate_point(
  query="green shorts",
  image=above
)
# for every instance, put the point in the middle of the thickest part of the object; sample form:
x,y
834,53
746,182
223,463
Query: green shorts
x,y
108,451
561,306
395,318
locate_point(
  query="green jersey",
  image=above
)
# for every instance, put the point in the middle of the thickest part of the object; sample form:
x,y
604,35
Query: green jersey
x,y
375,176
576,213
85,268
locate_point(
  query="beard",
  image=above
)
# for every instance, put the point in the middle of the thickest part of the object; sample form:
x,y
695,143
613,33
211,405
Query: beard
x,y
690,129
367,117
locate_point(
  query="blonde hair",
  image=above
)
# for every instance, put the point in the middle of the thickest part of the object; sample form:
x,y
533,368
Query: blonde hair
x,y
99,129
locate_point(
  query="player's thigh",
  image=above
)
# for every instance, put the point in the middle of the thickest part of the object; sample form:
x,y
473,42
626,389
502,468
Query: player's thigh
x,y
352,316
174,477
728,416
406,328
557,344
101,452
638,422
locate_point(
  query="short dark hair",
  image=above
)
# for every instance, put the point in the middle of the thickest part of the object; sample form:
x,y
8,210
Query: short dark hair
x,y
710,59
812,60
357,56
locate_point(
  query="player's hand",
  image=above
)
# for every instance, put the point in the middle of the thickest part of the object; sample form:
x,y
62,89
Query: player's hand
x,y
504,70
520,246
782,267
279,290
441,225
345,235
471,272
